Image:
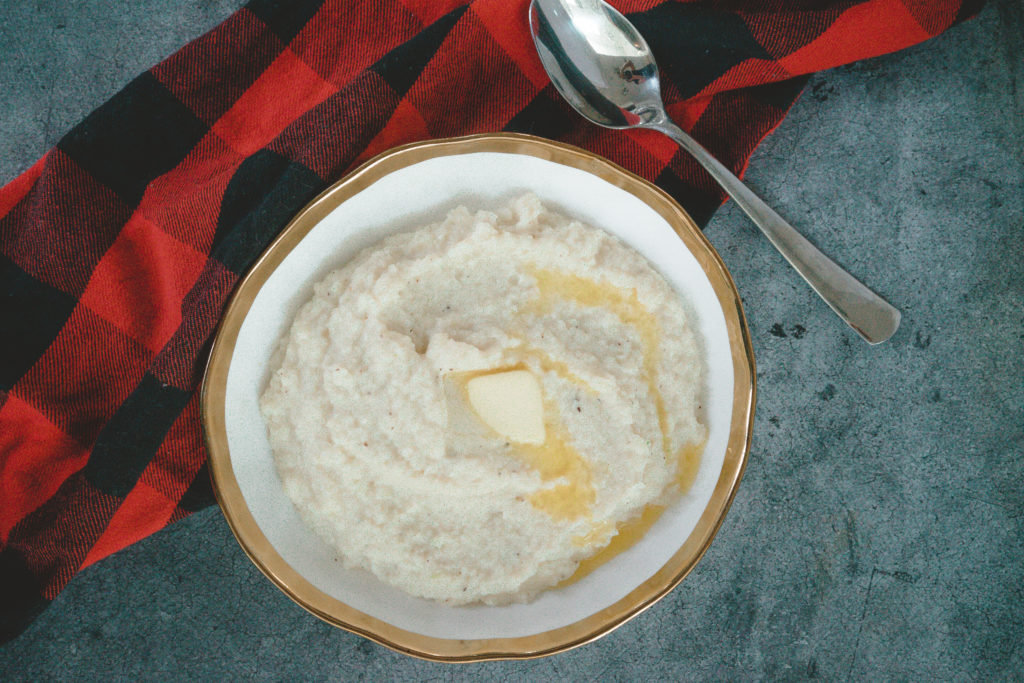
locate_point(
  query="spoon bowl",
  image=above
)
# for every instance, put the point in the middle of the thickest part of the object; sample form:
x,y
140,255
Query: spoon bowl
x,y
609,76
604,68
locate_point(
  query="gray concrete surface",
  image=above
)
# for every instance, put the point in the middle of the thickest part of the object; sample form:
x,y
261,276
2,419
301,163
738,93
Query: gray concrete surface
x,y
878,532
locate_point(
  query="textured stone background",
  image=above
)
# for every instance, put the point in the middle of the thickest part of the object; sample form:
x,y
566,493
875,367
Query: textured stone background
x,y
878,532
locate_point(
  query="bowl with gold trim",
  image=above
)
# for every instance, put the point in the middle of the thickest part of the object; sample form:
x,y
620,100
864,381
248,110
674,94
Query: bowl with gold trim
x,y
400,190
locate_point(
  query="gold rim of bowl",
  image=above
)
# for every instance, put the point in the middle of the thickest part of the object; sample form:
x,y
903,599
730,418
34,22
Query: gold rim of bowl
x,y
335,612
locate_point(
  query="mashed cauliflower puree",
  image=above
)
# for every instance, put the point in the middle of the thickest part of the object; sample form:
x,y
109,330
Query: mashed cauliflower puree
x,y
472,409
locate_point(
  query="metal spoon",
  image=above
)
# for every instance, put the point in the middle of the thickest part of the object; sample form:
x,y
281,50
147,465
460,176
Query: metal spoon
x,y
601,64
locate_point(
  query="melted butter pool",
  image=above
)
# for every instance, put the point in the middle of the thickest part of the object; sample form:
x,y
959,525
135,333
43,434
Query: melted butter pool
x,y
557,459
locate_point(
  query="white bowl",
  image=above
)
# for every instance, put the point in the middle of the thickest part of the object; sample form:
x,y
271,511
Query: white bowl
x,y
404,189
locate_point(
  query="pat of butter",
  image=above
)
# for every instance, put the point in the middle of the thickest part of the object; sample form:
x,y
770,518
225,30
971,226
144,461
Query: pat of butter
x,y
510,403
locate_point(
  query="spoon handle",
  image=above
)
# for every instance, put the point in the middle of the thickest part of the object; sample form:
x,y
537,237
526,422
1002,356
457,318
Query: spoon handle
x,y
863,310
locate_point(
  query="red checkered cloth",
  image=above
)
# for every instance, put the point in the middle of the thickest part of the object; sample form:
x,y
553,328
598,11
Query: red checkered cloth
x,y
119,247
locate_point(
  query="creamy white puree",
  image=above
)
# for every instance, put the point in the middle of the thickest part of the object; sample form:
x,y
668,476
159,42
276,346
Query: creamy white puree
x,y
377,445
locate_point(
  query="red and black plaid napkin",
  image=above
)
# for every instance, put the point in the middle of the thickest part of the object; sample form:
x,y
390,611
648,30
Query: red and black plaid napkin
x,y
119,247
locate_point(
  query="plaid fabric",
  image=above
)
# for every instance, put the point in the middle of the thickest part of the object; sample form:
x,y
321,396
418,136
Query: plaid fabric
x,y
119,247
